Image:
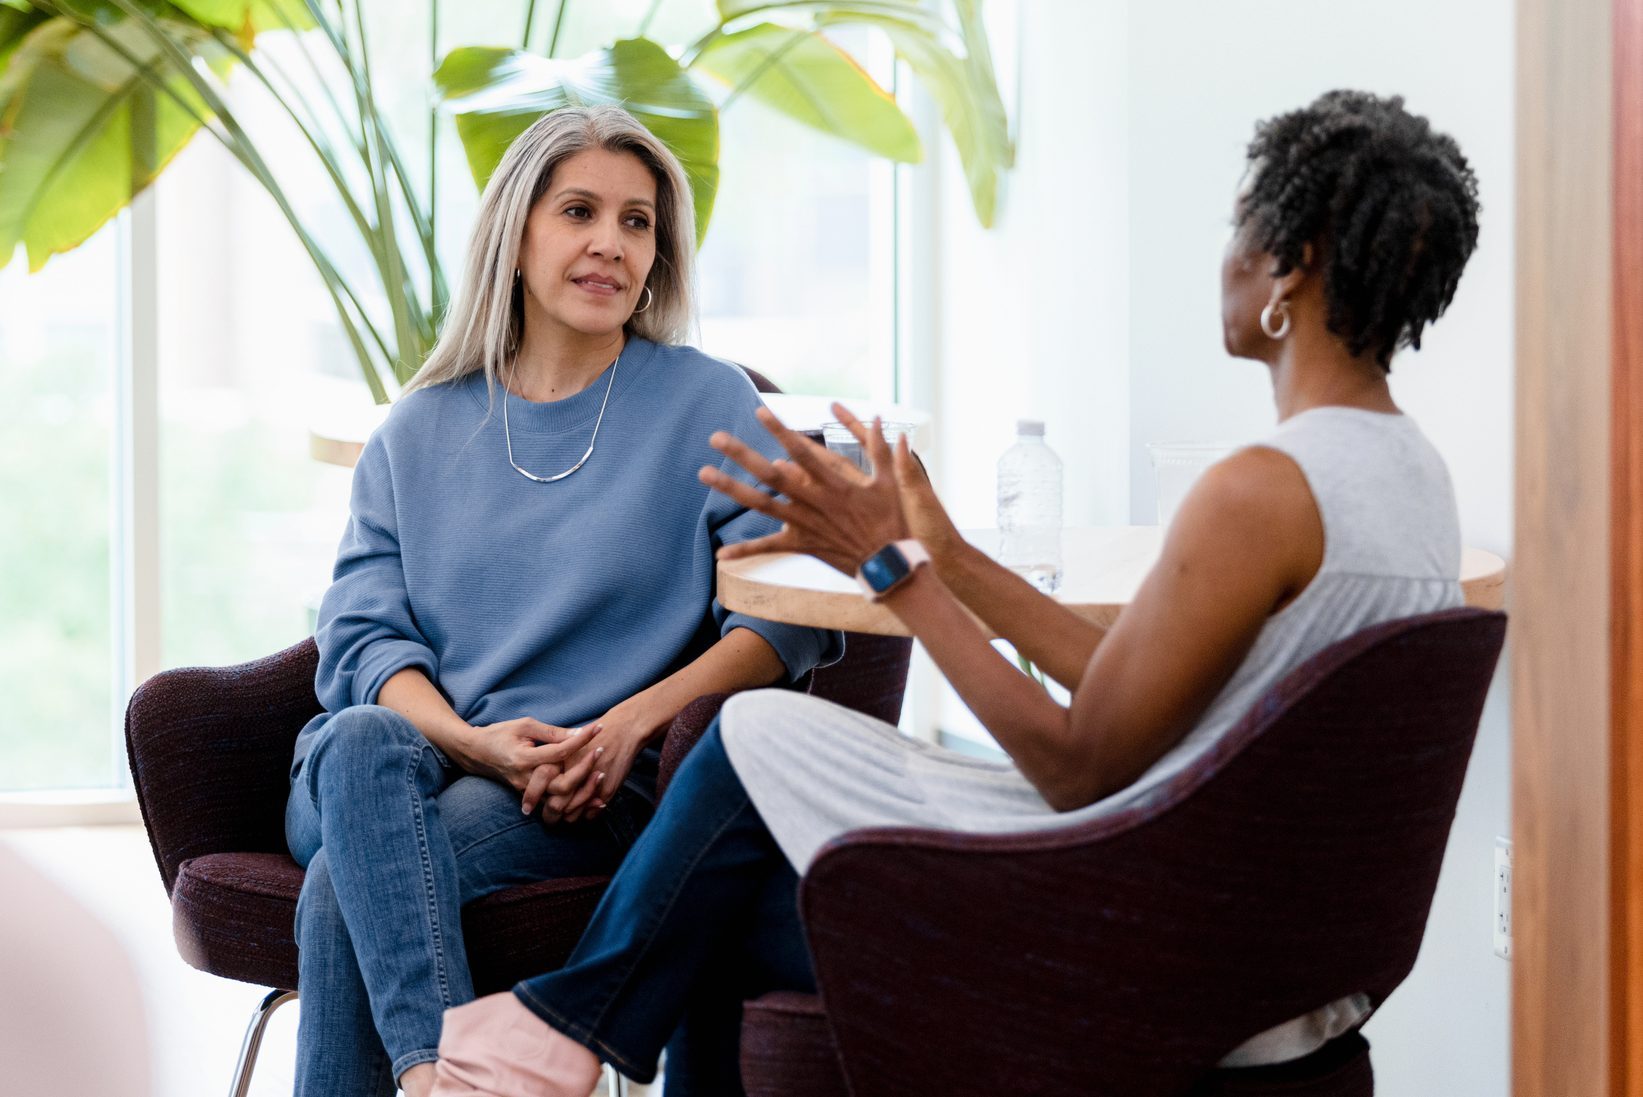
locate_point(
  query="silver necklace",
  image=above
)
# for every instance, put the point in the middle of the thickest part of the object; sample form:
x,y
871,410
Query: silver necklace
x,y
507,435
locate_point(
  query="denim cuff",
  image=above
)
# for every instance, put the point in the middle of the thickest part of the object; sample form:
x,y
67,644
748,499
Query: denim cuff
x,y
585,1036
413,1058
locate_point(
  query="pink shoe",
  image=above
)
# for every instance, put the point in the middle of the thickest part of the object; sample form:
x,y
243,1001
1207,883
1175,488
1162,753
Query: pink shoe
x,y
496,1047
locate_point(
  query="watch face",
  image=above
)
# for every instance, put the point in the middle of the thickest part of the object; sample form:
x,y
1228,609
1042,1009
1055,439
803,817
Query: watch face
x,y
885,568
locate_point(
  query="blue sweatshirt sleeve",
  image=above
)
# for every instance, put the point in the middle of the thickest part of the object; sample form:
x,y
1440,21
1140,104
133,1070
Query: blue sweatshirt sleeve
x,y
800,649
366,631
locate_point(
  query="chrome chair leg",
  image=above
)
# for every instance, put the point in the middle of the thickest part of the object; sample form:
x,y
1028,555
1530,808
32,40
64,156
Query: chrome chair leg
x,y
253,1039
615,1084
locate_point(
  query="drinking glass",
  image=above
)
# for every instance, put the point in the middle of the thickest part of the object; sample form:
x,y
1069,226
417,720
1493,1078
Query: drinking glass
x,y
1175,467
838,438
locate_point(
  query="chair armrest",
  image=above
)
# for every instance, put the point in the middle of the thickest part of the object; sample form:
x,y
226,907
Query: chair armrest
x,y
210,751
686,730
871,678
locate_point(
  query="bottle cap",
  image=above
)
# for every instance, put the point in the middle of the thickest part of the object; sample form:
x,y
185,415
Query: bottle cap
x,y
1029,428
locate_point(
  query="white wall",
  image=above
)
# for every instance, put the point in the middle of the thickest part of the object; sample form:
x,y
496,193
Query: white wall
x,y
1032,317
1095,304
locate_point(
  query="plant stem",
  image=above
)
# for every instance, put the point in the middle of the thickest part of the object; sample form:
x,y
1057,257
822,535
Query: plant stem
x,y
919,15
530,20
388,263
356,135
765,66
1029,670
245,151
395,283
644,25
558,24
370,120
689,55
433,125
237,145
327,157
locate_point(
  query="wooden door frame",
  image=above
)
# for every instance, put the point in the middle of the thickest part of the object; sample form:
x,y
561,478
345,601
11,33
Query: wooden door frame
x,y
1626,554
1577,588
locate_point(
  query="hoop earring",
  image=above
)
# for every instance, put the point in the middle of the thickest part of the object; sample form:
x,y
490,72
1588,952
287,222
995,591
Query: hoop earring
x,y
650,299
1282,308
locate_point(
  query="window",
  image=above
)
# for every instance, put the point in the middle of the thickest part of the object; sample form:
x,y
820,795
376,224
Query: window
x,y
57,632
248,521
795,278
796,268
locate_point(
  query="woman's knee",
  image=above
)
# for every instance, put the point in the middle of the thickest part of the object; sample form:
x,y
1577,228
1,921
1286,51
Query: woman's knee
x,y
473,808
360,739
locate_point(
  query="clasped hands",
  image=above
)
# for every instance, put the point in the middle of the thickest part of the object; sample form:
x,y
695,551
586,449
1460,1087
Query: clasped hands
x,y
829,509
565,774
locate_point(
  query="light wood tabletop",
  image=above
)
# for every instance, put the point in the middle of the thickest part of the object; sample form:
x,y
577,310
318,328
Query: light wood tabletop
x,y
1103,568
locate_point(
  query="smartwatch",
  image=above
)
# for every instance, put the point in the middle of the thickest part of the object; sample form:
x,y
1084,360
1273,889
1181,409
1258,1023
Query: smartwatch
x,y
890,567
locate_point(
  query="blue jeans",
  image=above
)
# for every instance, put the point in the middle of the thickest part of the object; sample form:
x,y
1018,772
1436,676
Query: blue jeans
x,y
395,840
701,916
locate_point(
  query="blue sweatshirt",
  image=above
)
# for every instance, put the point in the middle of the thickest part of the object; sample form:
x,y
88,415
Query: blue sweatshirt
x,y
555,601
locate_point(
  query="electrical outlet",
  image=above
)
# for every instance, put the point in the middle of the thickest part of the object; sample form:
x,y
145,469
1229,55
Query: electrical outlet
x,y
1503,898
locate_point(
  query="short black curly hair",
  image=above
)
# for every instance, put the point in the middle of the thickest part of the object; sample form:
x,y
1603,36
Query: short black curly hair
x,y
1389,206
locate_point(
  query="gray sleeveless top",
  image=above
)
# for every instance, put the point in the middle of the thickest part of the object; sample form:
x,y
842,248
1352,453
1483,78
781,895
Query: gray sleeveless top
x,y
1391,549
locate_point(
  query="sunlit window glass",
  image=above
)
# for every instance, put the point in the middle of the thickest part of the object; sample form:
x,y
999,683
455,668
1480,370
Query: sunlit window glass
x,y
57,354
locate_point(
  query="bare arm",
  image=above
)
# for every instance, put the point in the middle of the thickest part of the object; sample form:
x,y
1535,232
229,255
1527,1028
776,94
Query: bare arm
x,y
1246,540
742,659
410,694
1056,639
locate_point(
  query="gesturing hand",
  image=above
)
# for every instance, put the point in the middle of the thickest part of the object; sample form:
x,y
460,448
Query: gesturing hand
x,y
831,510
927,519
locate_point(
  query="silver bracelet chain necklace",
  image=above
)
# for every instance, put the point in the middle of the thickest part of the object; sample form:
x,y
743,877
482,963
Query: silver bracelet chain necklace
x,y
508,436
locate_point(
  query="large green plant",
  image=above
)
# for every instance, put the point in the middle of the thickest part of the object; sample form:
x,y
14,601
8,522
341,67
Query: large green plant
x,y
97,97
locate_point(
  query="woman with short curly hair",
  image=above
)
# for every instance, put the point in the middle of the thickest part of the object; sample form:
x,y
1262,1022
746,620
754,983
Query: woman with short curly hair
x,y
1353,225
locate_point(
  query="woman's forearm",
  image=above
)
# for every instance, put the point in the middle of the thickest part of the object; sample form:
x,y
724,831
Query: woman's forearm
x,y
1053,637
1028,723
742,659
413,696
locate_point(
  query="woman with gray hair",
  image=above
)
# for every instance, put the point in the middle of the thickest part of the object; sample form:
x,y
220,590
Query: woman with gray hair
x,y
523,598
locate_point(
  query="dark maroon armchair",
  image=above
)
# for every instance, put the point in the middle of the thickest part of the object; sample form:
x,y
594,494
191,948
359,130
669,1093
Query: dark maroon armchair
x,y
210,752
210,755
1125,957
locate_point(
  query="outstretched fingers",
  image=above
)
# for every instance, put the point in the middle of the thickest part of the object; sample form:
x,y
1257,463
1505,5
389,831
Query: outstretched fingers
x,y
829,469
780,541
748,495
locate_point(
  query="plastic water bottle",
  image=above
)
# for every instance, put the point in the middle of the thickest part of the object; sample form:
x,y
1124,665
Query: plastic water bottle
x,y
1029,508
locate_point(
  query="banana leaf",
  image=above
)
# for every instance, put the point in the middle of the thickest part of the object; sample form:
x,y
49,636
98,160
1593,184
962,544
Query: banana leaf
x,y
808,78
963,88
496,94
901,9
83,130
248,18
15,23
